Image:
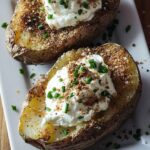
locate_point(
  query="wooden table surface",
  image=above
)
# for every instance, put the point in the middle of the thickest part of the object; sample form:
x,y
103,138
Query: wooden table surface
x,y
144,12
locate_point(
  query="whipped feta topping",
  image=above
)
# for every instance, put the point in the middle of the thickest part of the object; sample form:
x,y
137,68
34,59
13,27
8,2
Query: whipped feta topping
x,y
64,13
78,91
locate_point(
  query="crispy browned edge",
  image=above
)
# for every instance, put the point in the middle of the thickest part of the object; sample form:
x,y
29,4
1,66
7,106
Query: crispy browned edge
x,y
59,40
92,133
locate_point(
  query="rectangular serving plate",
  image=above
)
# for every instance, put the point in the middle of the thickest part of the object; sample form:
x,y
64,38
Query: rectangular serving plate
x,y
14,86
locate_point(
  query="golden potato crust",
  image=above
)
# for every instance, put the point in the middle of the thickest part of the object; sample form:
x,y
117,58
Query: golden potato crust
x,y
127,81
31,45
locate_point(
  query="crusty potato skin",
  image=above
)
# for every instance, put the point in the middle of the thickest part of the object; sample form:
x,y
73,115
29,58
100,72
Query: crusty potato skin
x,y
34,48
123,71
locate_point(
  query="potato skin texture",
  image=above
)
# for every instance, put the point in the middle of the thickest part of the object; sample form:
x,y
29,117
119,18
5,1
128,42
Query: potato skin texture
x,y
26,42
127,80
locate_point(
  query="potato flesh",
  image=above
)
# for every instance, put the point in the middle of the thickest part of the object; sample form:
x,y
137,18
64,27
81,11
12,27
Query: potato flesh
x,y
122,99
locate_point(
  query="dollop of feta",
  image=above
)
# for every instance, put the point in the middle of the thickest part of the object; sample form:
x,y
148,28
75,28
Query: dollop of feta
x,y
78,91
65,13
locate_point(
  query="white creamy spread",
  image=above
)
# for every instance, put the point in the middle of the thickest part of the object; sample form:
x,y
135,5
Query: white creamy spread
x,y
64,13
78,91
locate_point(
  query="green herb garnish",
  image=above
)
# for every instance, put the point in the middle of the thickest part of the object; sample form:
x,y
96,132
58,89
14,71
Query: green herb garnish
x,y
61,80
80,11
95,90
4,25
53,89
64,3
80,117
47,109
57,95
102,69
21,71
32,75
40,27
63,89
128,28
71,95
45,35
88,80
65,132
85,5
92,63
66,108
49,95
75,81
50,16
105,93
14,108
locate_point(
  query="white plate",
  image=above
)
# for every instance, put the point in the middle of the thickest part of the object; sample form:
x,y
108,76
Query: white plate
x,y
11,80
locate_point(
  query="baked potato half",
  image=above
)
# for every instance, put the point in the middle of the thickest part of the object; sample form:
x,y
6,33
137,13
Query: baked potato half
x,y
127,82
31,40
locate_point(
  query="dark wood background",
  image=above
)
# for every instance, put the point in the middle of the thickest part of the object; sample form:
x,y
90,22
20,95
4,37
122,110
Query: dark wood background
x,y
144,13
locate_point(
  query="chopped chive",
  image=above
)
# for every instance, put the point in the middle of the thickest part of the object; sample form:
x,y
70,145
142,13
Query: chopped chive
x,y
45,35
21,71
63,89
75,81
57,95
40,27
128,28
102,69
85,5
71,95
66,108
14,108
64,3
80,11
75,73
82,69
60,79
92,63
105,93
47,109
88,80
65,132
49,95
95,90
32,75
4,25
80,117
53,89
50,16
